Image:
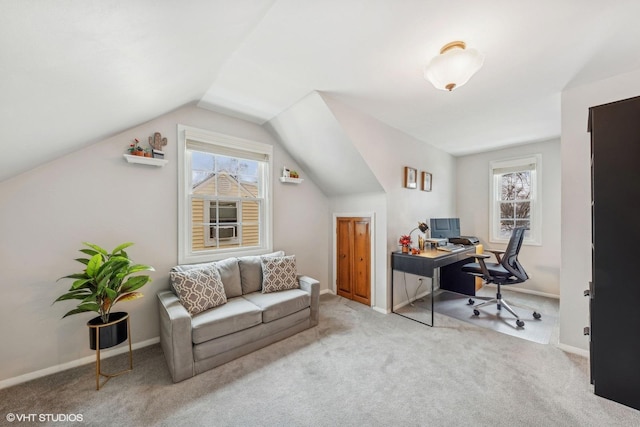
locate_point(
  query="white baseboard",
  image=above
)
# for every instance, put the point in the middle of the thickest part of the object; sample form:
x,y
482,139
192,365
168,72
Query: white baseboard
x,y
402,304
104,354
525,291
574,350
327,291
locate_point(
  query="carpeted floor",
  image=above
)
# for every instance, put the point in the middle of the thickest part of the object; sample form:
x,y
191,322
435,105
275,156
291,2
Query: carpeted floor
x,y
358,367
456,305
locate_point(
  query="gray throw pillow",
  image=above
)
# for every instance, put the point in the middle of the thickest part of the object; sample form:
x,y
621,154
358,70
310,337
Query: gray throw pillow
x,y
251,272
279,273
199,289
230,275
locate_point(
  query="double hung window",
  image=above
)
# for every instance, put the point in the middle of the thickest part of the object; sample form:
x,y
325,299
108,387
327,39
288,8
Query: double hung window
x,y
224,196
515,200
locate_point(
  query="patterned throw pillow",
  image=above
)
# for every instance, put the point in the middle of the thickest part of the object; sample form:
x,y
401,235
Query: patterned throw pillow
x,y
279,273
199,289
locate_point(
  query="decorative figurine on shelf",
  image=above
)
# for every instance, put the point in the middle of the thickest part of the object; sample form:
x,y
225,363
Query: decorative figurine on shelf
x,y
405,241
157,142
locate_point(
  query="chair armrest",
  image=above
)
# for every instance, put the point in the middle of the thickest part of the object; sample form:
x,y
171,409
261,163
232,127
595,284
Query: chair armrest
x,y
497,253
483,267
312,286
175,336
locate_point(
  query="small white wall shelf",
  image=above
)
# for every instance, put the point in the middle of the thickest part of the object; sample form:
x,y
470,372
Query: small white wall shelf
x,y
291,180
145,160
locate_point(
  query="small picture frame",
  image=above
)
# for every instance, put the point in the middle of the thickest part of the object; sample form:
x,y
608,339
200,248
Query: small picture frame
x,y
426,181
410,177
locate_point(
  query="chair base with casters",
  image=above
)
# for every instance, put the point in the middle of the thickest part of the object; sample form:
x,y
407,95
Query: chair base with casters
x,y
507,271
499,302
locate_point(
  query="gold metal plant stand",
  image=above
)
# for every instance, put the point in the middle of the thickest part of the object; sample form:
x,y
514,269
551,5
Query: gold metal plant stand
x,y
99,372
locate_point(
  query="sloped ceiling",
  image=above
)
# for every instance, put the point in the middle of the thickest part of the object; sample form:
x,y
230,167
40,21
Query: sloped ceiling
x,y
314,138
74,72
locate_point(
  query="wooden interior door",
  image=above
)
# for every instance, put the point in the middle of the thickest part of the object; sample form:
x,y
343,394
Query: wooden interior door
x,y
353,261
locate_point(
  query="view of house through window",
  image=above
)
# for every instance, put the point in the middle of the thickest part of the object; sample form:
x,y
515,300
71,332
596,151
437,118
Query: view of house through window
x,y
225,201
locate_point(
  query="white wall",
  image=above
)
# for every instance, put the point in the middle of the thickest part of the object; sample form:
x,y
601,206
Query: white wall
x,y
95,195
576,200
387,151
542,263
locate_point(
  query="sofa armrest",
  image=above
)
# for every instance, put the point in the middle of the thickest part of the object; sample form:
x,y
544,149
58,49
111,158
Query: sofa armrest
x,y
175,336
312,286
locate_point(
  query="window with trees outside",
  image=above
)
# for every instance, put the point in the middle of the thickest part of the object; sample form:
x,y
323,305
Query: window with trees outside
x,y
224,196
515,199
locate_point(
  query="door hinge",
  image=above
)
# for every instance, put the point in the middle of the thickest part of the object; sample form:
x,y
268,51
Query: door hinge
x,y
591,292
586,330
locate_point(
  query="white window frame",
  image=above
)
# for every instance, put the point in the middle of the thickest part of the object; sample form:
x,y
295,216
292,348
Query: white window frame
x,y
533,163
224,145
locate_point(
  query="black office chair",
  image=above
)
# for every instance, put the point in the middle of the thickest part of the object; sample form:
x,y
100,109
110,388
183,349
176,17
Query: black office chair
x,y
507,271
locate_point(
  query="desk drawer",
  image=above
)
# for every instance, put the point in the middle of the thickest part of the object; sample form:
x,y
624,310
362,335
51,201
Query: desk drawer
x,y
452,258
412,264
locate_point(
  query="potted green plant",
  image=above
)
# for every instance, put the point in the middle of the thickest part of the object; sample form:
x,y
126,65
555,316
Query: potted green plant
x,y
107,279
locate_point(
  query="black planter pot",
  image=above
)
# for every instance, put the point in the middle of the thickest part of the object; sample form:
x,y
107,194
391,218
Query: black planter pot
x,y
112,333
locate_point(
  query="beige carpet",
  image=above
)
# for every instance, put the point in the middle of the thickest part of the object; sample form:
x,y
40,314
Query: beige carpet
x,y
357,368
456,305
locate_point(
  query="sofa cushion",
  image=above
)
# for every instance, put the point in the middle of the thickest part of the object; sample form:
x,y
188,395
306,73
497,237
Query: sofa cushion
x,y
259,335
251,272
279,273
279,304
229,273
236,315
199,289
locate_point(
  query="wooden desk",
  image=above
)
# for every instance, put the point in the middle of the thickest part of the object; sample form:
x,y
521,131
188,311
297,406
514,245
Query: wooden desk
x,y
425,264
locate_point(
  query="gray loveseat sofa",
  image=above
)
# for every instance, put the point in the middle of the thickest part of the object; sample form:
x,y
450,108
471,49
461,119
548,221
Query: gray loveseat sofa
x,y
249,320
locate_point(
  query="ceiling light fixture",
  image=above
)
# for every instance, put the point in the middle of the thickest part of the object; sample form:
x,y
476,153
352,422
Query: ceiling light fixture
x,y
454,66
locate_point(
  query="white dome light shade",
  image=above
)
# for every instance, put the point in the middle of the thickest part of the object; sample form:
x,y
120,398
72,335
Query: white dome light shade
x,y
454,66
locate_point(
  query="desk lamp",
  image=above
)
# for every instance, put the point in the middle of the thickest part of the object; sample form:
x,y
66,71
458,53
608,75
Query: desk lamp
x,y
422,226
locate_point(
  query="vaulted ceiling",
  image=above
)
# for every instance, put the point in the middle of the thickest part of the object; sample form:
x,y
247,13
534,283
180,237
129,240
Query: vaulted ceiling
x,y
75,72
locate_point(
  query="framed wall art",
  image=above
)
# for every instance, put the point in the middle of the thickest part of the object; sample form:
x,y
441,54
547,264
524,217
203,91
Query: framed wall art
x,y
426,181
410,177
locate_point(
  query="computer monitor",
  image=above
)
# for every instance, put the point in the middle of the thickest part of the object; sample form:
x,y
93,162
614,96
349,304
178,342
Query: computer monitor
x,y
445,227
